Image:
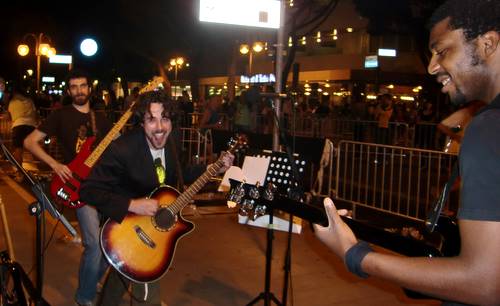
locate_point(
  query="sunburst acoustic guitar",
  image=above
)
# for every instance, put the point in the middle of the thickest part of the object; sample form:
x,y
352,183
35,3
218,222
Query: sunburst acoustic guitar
x,y
142,248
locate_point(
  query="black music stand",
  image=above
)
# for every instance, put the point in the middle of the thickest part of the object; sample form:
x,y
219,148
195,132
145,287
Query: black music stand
x,y
36,209
278,175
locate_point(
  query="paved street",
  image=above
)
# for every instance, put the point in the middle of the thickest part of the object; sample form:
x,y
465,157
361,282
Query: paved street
x,y
221,263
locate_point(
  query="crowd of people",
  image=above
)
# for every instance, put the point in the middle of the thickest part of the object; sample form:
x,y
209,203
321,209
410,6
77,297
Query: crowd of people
x,y
249,112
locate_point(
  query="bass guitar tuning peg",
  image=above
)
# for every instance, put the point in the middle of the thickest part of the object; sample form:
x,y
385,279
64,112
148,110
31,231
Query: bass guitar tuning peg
x,y
269,191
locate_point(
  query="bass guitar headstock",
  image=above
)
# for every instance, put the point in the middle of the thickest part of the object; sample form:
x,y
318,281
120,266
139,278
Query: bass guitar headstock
x,y
156,82
253,200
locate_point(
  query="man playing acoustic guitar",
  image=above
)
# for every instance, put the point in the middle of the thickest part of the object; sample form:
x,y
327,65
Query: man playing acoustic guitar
x,y
139,162
68,124
465,46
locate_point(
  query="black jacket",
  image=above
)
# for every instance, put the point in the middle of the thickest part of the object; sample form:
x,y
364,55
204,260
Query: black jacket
x,y
126,171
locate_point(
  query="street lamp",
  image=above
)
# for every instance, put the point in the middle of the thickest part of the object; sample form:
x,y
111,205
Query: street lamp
x,y
41,48
176,64
245,49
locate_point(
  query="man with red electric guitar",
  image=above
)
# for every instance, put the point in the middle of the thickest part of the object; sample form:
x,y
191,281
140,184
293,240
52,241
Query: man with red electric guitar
x,y
131,184
74,125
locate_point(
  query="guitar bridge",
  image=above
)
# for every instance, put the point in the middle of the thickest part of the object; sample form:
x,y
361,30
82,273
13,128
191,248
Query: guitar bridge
x,y
144,237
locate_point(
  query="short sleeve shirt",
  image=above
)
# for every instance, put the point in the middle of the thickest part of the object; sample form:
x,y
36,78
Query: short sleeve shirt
x,y
480,166
72,127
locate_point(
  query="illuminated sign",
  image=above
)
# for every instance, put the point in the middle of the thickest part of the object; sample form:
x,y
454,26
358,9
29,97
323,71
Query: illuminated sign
x,y
258,78
61,59
255,13
387,52
371,61
47,79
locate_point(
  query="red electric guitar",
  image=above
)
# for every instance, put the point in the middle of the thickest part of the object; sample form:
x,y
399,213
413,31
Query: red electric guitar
x,y
67,193
141,248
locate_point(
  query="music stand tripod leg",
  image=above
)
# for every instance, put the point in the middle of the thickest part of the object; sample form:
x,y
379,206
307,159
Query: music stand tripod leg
x,y
288,262
6,230
267,295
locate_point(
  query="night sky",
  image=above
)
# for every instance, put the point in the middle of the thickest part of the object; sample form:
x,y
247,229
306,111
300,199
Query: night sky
x,y
132,35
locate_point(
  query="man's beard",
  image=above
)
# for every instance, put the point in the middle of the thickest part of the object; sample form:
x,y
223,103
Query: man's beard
x,y
80,99
458,98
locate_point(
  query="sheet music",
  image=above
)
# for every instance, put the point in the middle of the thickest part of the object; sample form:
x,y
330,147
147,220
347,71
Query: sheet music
x,y
253,170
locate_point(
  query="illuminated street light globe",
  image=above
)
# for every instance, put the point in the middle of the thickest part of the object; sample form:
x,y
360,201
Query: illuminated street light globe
x,y
257,46
88,47
244,49
44,49
23,50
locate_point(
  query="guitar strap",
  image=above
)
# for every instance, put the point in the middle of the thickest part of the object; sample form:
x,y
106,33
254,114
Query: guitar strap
x,y
92,123
435,213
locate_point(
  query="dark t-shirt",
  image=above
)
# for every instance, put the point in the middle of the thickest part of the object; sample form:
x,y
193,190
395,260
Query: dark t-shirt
x,y
480,166
72,127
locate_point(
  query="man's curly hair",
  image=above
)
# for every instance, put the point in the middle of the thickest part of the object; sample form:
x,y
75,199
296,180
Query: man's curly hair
x,y
143,105
474,17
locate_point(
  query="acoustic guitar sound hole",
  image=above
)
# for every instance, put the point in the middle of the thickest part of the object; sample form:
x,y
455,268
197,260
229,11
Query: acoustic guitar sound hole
x,y
164,219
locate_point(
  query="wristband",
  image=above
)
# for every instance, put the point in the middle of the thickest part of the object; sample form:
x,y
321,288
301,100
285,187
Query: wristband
x,y
355,255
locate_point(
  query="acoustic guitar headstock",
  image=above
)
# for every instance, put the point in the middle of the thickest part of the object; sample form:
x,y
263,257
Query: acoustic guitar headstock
x,y
237,143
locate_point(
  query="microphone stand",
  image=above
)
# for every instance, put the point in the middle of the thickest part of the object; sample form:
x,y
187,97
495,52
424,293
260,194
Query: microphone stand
x,y
295,193
37,209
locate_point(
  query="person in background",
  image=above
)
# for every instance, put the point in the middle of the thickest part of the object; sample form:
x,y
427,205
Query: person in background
x,y
211,118
131,98
72,125
383,115
24,120
465,46
242,116
187,107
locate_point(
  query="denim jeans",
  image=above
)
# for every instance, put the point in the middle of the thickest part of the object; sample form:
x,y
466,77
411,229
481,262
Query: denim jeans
x,y
92,263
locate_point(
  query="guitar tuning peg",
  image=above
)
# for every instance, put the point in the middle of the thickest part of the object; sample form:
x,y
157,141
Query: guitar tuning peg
x,y
269,192
237,193
260,210
242,212
247,209
248,204
254,192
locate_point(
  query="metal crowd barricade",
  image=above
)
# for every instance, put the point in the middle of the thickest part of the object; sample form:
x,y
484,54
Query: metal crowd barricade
x,y
341,129
196,146
226,122
195,118
302,126
398,180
